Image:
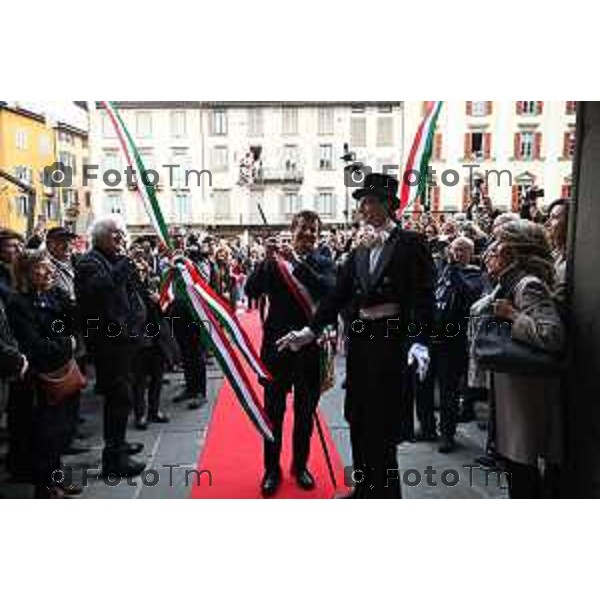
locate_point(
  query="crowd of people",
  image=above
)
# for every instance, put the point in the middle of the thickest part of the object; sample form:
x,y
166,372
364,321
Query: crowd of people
x,y
482,260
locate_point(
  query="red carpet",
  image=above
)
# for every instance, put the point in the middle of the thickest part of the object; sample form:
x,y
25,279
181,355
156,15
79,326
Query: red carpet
x,y
233,449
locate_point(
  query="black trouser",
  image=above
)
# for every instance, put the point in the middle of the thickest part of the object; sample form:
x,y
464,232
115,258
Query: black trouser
x,y
114,371
49,426
300,371
19,417
193,353
375,465
448,367
524,481
149,370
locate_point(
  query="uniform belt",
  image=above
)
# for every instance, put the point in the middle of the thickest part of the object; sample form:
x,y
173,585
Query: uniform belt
x,y
380,311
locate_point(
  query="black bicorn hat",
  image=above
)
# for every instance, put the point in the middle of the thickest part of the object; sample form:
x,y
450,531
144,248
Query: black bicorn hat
x,y
382,186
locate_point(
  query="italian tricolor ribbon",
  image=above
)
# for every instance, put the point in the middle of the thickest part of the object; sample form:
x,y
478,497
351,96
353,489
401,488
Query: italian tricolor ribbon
x,y
297,288
219,327
418,158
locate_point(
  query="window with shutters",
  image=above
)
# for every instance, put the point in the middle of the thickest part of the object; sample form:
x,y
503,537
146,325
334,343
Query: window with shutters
x,y
477,145
324,205
528,145
222,204
113,204
528,107
21,205
479,108
218,122
569,145
385,133
325,121
178,124
437,146
143,124
358,132
255,122
325,157
291,203
291,159
181,208
290,121
219,159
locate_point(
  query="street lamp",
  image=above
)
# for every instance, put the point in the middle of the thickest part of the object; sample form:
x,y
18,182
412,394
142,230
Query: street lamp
x,y
349,157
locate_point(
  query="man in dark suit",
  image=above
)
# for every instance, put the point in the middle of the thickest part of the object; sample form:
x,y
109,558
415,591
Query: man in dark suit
x,y
291,308
109,294
387,286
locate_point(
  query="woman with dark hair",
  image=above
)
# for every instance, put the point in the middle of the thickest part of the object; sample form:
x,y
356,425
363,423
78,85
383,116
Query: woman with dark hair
x,y
527,409
41,315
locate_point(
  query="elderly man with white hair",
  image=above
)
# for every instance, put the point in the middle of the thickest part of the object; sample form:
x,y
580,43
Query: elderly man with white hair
x,y
110,297
459,285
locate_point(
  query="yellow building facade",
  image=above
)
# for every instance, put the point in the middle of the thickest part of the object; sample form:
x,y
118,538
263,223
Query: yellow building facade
x,y
27,147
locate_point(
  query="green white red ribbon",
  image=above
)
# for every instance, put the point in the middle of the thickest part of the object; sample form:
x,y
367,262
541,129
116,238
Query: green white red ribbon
x,y
419,157
297,288
214,317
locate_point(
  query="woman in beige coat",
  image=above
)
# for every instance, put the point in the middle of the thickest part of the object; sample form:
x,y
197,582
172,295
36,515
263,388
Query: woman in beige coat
x,y
527,409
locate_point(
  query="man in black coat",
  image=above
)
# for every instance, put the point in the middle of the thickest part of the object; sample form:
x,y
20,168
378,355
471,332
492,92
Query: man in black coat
x,y
387,286
109,294
313,274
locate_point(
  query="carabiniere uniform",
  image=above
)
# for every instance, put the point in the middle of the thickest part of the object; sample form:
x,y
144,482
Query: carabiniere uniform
x,y
390,302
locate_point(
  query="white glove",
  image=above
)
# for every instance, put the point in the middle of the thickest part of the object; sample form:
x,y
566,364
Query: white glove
x,y
295,340
419,354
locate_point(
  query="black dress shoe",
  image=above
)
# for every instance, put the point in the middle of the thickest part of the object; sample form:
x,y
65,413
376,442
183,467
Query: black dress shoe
x,y
141,424
75,448
158,418
126,468
426,436
197,403
447,445
133,448
304,479
270,484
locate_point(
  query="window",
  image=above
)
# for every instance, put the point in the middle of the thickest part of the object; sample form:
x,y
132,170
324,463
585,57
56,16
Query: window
x,y
21,205
385,133
181,160
569,145
178,124
325,126
108,130
290,121
325,157
474,145
358,132
358,108
571,107
218,122
45,145
291,203
24,174
68,159
255,122
110,162
529,107
143,124
181,208
113,204
219,160
290,159
148,160
527,145
385,108
325,204
21,139
478,108
222,202
52,211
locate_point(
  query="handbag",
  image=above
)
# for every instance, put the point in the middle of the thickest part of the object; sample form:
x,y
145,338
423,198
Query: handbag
x,y
496,350
62,384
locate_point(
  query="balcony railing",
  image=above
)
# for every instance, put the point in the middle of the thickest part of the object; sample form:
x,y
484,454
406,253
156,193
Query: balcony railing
x,y
266,176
